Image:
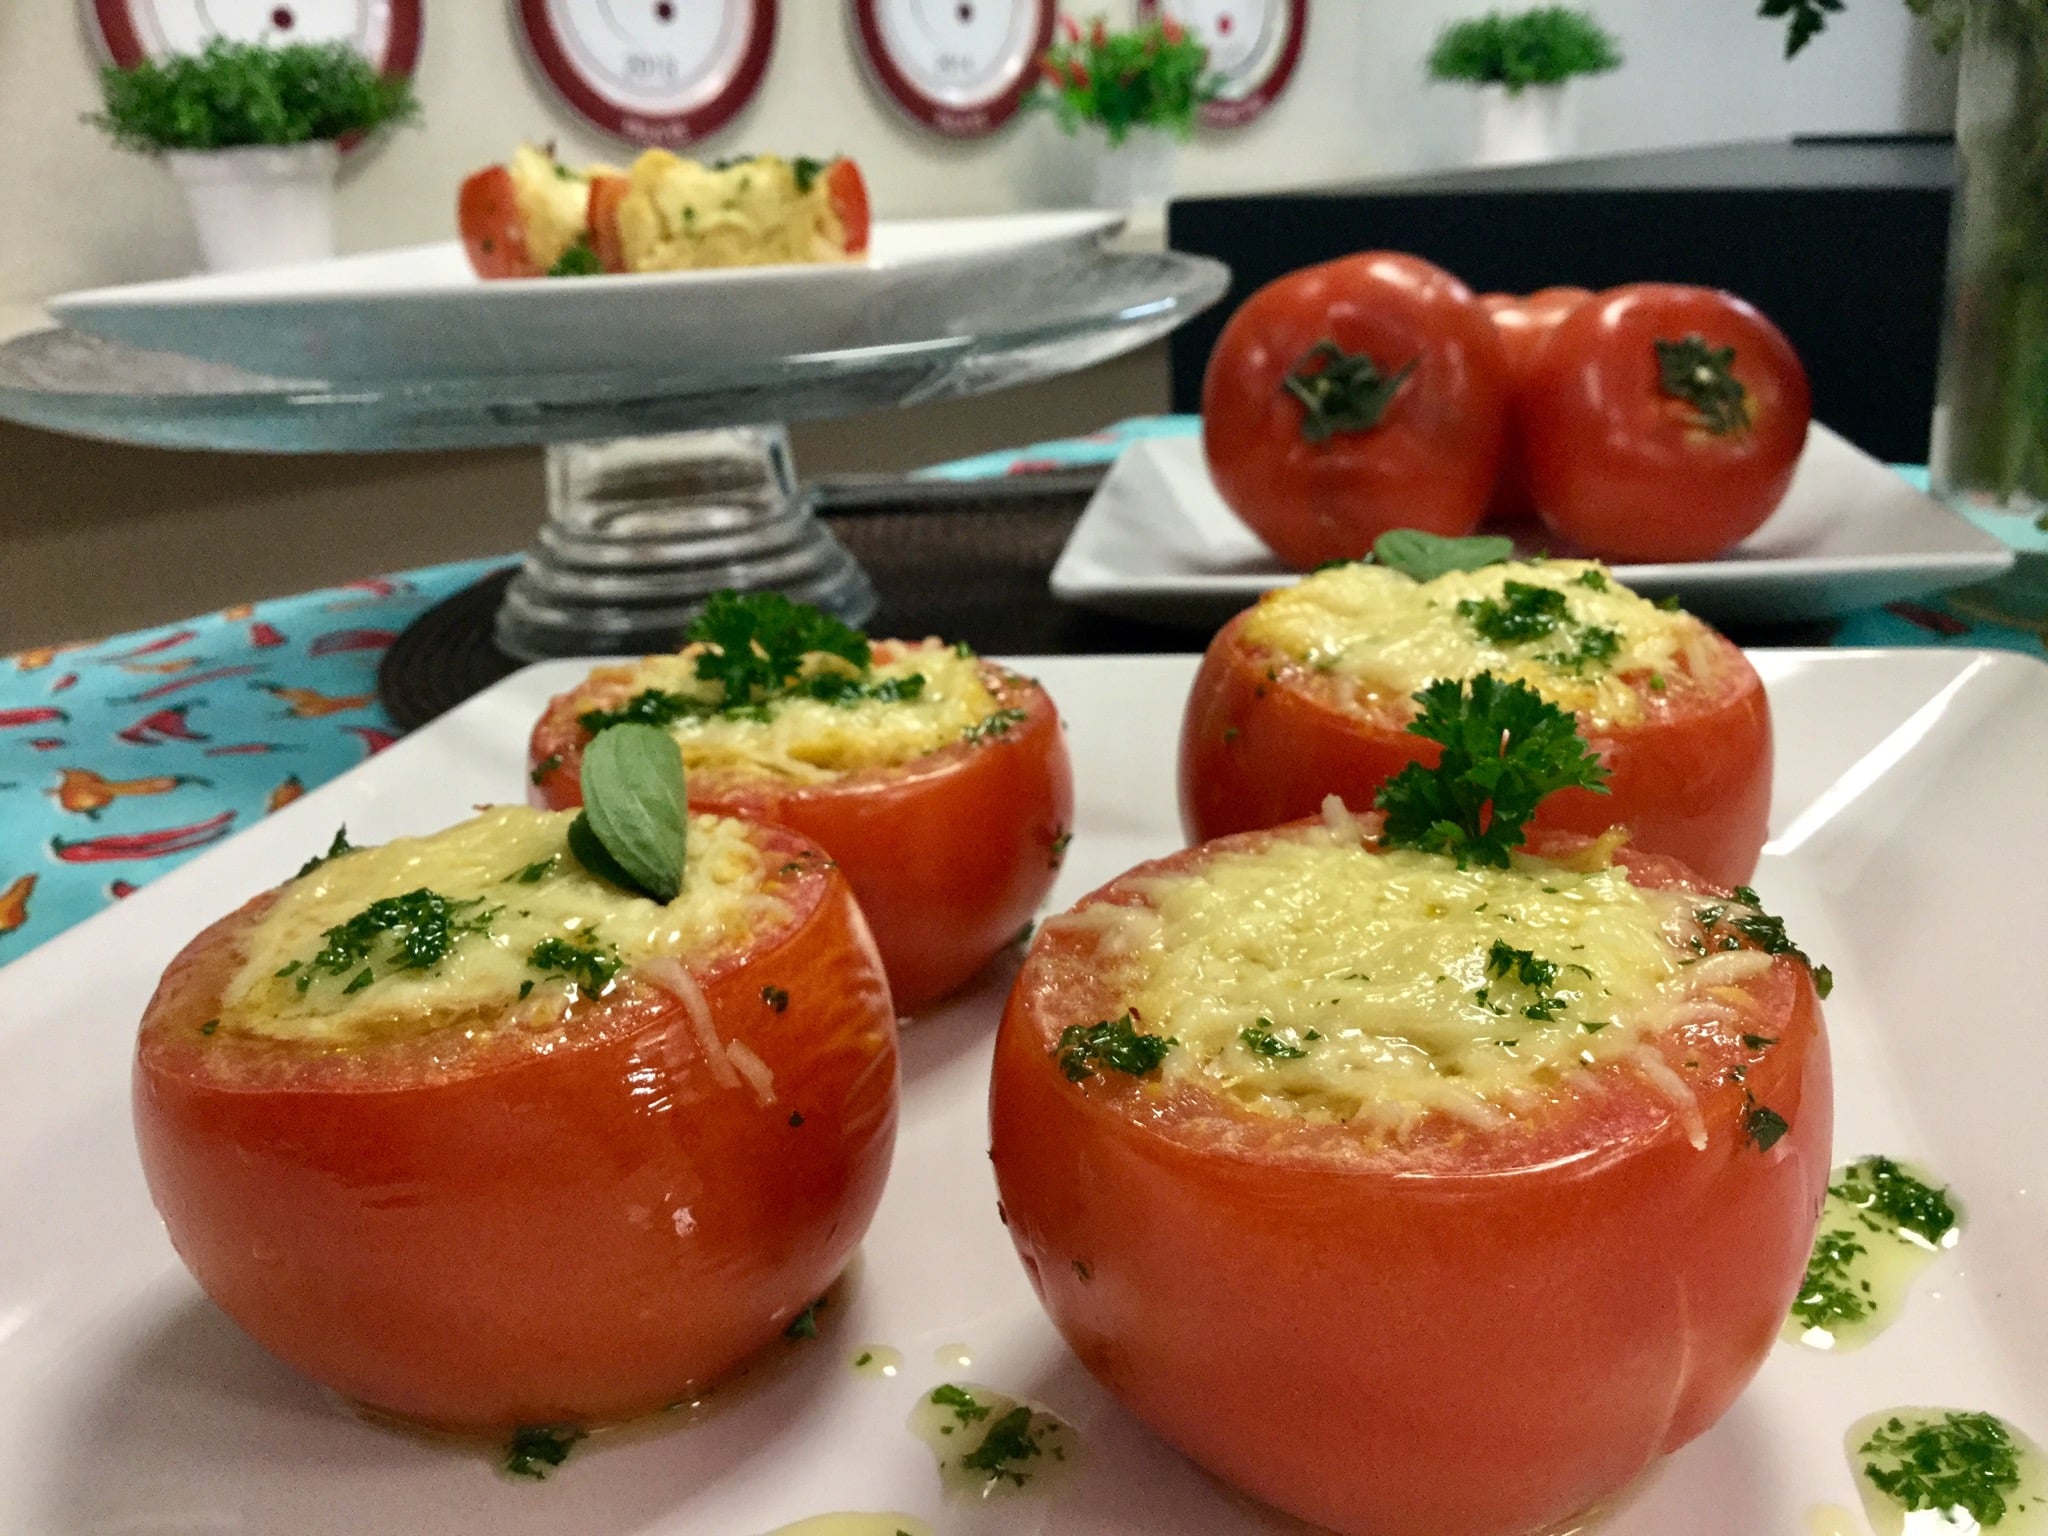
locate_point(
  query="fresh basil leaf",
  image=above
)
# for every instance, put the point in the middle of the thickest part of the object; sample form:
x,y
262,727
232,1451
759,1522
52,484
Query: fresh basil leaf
x,y
633,801
1426,556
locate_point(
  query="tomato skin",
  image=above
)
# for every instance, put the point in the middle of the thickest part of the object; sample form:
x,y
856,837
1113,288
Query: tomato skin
x,y
1524,323
493,232
848,193
949,856
1264,739
1431,461
601,217
1628,473
1498,1330
510,1233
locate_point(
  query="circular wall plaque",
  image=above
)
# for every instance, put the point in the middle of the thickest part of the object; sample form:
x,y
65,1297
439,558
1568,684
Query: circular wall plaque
x,y
1253,46
960,67
651,71
386,32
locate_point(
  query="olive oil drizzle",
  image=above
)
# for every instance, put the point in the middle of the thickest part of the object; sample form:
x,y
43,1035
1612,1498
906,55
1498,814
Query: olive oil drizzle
x,y
1883,1223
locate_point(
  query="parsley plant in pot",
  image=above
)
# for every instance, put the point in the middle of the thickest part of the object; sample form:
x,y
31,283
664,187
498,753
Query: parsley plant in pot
x,y
1141,89
250,135
1523,65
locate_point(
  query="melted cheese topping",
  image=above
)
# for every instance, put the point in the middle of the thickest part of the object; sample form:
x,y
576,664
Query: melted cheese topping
x,y
680,214
1388,636
1374,967
553,202
809,741
722,904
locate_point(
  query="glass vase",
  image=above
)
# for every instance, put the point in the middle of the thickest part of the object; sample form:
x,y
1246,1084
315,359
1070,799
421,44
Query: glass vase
x,y
1990,443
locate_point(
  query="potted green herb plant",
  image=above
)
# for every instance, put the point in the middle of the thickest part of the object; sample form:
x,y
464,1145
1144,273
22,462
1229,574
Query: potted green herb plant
x,y
1990,443
1523,64
1141,89
250,134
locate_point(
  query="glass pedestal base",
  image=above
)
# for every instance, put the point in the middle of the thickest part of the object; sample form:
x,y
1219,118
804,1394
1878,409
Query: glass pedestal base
x,y
641,530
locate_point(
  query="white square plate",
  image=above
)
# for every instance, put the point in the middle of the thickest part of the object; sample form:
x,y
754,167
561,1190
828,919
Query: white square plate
x,y
1156,542
1909,836
421,312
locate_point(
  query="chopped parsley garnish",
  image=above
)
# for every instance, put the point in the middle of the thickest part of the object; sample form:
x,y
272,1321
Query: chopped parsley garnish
x,y
1505,747
544,767
1112,1045
538,1448
1889,1199
1592,578
537,871
1763,931
209,1026
805,1324
1759,1042
838,688
1505,963
650,706
776,998
1523,611
1009,1442
1763,1126
1060,844
1962,1461
421,926
589,966
967,1408
1831,1296
1260,1040
1595,646
865,1357
579,260
988,727
335,850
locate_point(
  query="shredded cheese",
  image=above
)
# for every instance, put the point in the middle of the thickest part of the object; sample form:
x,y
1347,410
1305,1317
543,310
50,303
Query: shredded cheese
x,y
680,214
1313,977
1383,636
811,741
481,861
553,202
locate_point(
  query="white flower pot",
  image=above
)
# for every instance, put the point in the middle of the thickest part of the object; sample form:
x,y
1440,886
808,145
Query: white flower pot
x,y
260,206
1534,123
1137,173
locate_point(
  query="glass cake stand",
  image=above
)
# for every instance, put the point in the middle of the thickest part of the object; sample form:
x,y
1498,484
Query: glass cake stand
x,y
663,486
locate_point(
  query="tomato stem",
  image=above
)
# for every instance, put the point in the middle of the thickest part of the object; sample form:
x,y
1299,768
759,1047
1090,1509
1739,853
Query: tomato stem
x,y
1704,378
1342,391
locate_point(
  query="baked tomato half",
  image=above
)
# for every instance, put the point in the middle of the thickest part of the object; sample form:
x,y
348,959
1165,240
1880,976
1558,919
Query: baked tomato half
x,y
938,780
1311,693
493,229
847,192
607,190
1351,398
478,1139
1662,423
1386,1219
1523,322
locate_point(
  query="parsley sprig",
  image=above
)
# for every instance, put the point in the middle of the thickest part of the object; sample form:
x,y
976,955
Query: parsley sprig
x,y
755,644
1505,747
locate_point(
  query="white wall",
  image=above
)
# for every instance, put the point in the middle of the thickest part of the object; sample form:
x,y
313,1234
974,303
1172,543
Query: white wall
x,y
78,213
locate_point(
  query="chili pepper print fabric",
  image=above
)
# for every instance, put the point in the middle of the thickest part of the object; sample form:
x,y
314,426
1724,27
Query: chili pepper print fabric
x,y
122,758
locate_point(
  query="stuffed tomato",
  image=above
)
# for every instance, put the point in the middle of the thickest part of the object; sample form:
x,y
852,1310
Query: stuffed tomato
x,y
1309,692
479,1139
938,780
1414,1200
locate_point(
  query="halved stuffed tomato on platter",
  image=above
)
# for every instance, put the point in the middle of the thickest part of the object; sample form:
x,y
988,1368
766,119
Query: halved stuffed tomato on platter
x,y
479,1138
1309,693
938,780
1412,1199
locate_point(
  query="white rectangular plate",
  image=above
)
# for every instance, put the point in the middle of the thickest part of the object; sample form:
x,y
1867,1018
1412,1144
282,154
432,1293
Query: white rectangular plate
x,y
1156,542
420,312
1909,833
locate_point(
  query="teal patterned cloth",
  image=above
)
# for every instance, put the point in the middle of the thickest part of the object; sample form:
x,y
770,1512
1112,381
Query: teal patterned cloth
x,y
121,758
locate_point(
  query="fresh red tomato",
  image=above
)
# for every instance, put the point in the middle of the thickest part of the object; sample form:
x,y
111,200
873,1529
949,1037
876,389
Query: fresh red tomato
x,y
533,1225
493,232
1468,1332
1663,423
949,855
1524,323
601,214
1266,738
1349,398
849,197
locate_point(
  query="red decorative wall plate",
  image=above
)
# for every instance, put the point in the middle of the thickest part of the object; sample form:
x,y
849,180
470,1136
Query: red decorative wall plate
x,y
960,67
665,72
386,32
1254,46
